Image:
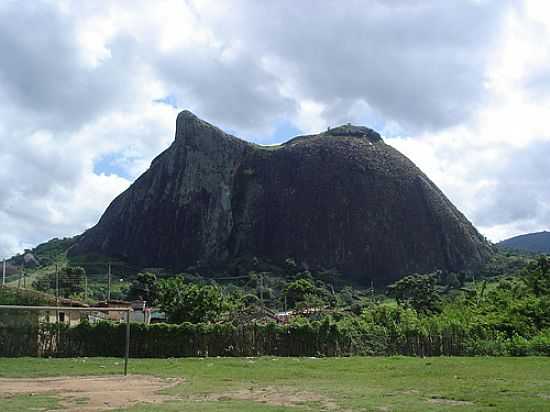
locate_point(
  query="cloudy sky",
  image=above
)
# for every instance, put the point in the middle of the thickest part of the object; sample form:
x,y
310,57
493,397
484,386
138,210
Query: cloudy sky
x,y
89,93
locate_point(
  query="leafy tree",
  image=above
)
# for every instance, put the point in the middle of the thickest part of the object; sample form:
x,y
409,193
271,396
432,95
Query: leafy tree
x,y
144,287
357,308
186,302
297,291
505,264
346,296
70,281
418,292
538,276
310,301
453,281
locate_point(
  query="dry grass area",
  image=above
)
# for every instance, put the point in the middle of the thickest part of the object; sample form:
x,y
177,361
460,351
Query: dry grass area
x,y
93,393
285,397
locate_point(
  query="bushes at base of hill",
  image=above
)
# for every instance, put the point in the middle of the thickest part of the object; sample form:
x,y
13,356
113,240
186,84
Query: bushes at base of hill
x,y
346,337
513,318
538,345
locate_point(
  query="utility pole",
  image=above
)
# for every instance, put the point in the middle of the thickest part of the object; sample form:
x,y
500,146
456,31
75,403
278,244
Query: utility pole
x,y
4,273
57,335
56,285
24,280
127,346
85,288
372,290
109,290
262,293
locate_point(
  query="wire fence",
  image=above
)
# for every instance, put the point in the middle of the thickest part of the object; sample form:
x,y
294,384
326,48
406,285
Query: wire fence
x,y
49,331
86,283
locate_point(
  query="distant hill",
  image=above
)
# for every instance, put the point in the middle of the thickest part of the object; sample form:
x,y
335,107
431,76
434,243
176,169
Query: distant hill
x,y
43,254
531,242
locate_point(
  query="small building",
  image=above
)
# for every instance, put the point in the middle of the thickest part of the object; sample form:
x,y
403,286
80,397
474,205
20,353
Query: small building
x,y
140,312
69,317
30,297
115,315
312,313
157,316
147,315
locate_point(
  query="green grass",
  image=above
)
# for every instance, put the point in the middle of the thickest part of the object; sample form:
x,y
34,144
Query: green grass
x,y
28,402
14,280
270,147
32,275
357,384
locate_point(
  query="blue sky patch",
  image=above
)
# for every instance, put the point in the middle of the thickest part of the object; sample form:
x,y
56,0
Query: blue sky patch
x,y
112,164
284,130
170,100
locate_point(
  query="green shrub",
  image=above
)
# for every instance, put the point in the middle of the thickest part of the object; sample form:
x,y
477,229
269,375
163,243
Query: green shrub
x,y
486,347
540,344
519,346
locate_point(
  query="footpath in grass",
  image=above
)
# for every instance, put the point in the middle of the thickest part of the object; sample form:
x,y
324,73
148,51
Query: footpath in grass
x,y
305,384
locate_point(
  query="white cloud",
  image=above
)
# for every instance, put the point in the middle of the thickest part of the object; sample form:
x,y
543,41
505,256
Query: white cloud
x,y
494,166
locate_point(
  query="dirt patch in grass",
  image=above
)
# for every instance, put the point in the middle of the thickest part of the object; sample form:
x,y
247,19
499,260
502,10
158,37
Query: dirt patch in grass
x,y
93,393
409,392
275,396
450,402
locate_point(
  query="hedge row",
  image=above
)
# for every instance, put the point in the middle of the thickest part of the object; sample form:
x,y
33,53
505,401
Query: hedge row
x,y
195,340
200,340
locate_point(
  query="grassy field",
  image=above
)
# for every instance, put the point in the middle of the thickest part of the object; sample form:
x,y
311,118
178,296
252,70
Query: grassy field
x,y
304,384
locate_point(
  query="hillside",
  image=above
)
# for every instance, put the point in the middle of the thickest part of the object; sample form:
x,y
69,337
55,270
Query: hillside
x,y
44,254
532,242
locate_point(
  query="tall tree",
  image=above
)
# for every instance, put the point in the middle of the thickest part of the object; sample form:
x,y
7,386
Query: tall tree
x,y
144,288
187,302
69,281
418,292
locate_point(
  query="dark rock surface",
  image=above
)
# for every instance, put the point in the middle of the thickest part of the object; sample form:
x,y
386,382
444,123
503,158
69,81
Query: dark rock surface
x,y
341,199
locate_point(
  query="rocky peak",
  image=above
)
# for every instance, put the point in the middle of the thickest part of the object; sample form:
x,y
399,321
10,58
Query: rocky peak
x,y
355,131
187,124
197,134
189,128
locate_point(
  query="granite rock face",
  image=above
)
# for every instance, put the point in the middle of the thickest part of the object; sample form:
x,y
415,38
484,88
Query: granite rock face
x,y
342,199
